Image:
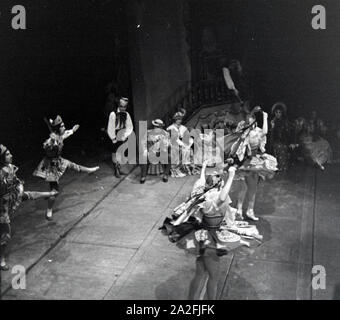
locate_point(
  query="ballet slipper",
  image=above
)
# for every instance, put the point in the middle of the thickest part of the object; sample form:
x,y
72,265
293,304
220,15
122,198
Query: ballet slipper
x,y
239,214
48,215
250,214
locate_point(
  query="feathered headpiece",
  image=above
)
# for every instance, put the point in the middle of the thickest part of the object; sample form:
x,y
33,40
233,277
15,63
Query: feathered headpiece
x,y
56,122
3,149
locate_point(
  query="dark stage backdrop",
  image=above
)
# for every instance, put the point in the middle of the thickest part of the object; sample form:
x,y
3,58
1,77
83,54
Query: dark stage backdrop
x,y
66,57
60,64
159,55
283,57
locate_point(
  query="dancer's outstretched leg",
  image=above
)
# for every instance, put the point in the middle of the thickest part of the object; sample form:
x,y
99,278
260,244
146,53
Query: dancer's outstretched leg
x,y
212,265
241,192
80,168
34,195
196,282
54,187
252,182
318,162
89,170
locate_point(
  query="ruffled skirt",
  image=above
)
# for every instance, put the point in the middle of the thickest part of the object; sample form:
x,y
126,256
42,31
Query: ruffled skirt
x,y
156,169
52,170
10,202
182,170
194,238
265,165
182,163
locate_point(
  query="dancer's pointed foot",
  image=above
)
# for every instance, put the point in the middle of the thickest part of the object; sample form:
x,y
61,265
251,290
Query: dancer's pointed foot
x,y
321,167
54,193
117,171
3,265
4,268
48,215
250,215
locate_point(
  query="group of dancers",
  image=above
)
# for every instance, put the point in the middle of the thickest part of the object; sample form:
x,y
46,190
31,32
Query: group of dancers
x,y
51,169
205,224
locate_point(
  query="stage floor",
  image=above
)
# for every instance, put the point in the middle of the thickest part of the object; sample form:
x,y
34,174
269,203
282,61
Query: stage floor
x,y
104,242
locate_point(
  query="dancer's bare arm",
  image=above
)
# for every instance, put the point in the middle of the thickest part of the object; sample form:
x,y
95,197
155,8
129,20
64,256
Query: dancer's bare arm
x,y
69,133
265,124
226,188
75,128
204,167
200,183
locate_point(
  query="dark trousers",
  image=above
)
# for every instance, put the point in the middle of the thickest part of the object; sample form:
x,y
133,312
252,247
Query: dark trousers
x,y
54,186
145,168
5,236
116,145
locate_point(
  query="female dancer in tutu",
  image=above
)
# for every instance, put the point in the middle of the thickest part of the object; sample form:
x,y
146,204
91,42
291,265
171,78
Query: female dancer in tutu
x,y
11,194
53,166
199,229
258,165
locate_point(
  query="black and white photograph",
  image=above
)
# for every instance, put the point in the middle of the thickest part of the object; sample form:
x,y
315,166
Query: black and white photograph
x,y
170,150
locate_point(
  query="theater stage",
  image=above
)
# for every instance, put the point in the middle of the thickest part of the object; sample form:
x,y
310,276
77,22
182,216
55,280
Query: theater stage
x,y
104,242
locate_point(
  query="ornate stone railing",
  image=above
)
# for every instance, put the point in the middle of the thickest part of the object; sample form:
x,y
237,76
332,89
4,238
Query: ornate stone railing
x,y
196,96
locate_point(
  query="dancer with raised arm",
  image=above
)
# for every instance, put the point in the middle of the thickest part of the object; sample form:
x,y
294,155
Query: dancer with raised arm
x,y
11,195
53,166
199,228
258,164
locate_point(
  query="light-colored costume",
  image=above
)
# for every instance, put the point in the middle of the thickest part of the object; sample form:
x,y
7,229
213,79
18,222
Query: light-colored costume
x,y
157,149
264,164
116,129
11,195
206,227
180,153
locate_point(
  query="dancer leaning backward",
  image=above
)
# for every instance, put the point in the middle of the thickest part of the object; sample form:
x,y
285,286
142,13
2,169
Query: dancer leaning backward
x,y
53,166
